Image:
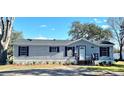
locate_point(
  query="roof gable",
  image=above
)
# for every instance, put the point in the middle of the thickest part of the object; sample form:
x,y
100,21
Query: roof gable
x,y
97,43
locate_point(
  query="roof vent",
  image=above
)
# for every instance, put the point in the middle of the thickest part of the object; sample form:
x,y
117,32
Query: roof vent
x,y
29,39
54,39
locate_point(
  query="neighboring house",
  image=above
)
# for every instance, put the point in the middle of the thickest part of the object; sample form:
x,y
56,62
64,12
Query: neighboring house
x,y
29,51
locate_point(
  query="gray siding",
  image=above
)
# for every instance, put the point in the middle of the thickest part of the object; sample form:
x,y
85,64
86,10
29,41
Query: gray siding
x,y
44,51
41,52
38,51
88,45
90,50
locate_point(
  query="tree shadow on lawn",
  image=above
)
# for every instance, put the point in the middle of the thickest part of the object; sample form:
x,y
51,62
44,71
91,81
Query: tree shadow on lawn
x,y
52,72
118,65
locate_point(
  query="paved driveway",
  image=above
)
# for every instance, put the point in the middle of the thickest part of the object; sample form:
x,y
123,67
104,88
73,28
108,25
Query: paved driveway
x,y
67,71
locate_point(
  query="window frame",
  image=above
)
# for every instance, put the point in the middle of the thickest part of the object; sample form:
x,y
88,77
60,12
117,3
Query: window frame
x,y
72,48
54,49
104,51
23,51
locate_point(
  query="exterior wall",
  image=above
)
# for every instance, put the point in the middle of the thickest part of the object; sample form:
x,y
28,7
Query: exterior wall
x,y
40,53
89,49
92,48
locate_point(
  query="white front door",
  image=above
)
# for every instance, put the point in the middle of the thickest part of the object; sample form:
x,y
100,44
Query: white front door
x,y
82,53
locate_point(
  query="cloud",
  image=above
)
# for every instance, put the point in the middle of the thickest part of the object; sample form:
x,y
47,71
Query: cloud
x,y
105,26
43,38
104,20
43,25
97,20
91,21
53,29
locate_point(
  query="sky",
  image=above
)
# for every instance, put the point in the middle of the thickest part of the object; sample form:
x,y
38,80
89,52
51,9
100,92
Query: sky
x,y
52,27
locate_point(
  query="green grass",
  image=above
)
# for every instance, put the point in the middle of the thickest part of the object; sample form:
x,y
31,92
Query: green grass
x,y
116,67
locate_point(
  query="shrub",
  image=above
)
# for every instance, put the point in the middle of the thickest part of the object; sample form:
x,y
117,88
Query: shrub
x,y
97,64
101,64
109,63
59,62
67,63
104,63
53,62
10,60
116,60
72,63
47,62
34,62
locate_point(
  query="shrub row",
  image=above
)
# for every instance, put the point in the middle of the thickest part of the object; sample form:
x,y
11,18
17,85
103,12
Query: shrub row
x,y
45,62
105,63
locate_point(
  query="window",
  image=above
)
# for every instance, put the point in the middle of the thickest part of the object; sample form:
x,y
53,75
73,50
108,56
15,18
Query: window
x,y
104,51
54,49
67,49
23,50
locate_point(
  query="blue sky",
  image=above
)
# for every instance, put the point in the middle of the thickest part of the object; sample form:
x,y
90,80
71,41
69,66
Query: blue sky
x,y
52,27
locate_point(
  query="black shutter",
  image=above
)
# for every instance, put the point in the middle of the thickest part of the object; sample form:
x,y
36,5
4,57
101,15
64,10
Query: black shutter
x,y
108,51
100,52
73,49
65,51
18,50
27,50
57,49
49,49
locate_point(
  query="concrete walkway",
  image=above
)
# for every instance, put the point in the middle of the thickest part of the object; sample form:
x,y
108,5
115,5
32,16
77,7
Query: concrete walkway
x,y
64,71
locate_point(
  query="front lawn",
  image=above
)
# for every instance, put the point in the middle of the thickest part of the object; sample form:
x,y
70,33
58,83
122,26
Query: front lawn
x,y
26,67
116,67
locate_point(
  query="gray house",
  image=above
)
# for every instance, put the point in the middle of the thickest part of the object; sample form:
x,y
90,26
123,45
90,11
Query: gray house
x,y
29,51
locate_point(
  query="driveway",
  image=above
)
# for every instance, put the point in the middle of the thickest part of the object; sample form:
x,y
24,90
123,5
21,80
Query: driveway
x,y
64,71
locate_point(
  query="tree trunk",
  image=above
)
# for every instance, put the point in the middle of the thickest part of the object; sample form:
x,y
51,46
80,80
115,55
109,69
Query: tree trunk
x,y
6,29
3,57
121,58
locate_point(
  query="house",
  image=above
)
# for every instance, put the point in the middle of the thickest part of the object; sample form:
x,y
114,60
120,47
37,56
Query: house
x,y
30,51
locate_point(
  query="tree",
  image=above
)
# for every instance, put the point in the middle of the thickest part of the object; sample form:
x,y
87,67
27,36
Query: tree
x,y
89,31
117,25
6,30
15,36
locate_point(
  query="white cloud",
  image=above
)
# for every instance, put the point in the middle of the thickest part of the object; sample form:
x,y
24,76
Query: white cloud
x,y
105,26
91,21
97,20
53,29
42,37
104,20
43,25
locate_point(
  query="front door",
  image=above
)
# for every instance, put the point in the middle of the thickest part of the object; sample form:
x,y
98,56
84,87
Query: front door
x,y
82,53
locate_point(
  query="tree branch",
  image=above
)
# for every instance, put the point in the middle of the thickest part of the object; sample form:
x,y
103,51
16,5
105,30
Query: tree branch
x,y
3,26
9,31
6,30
